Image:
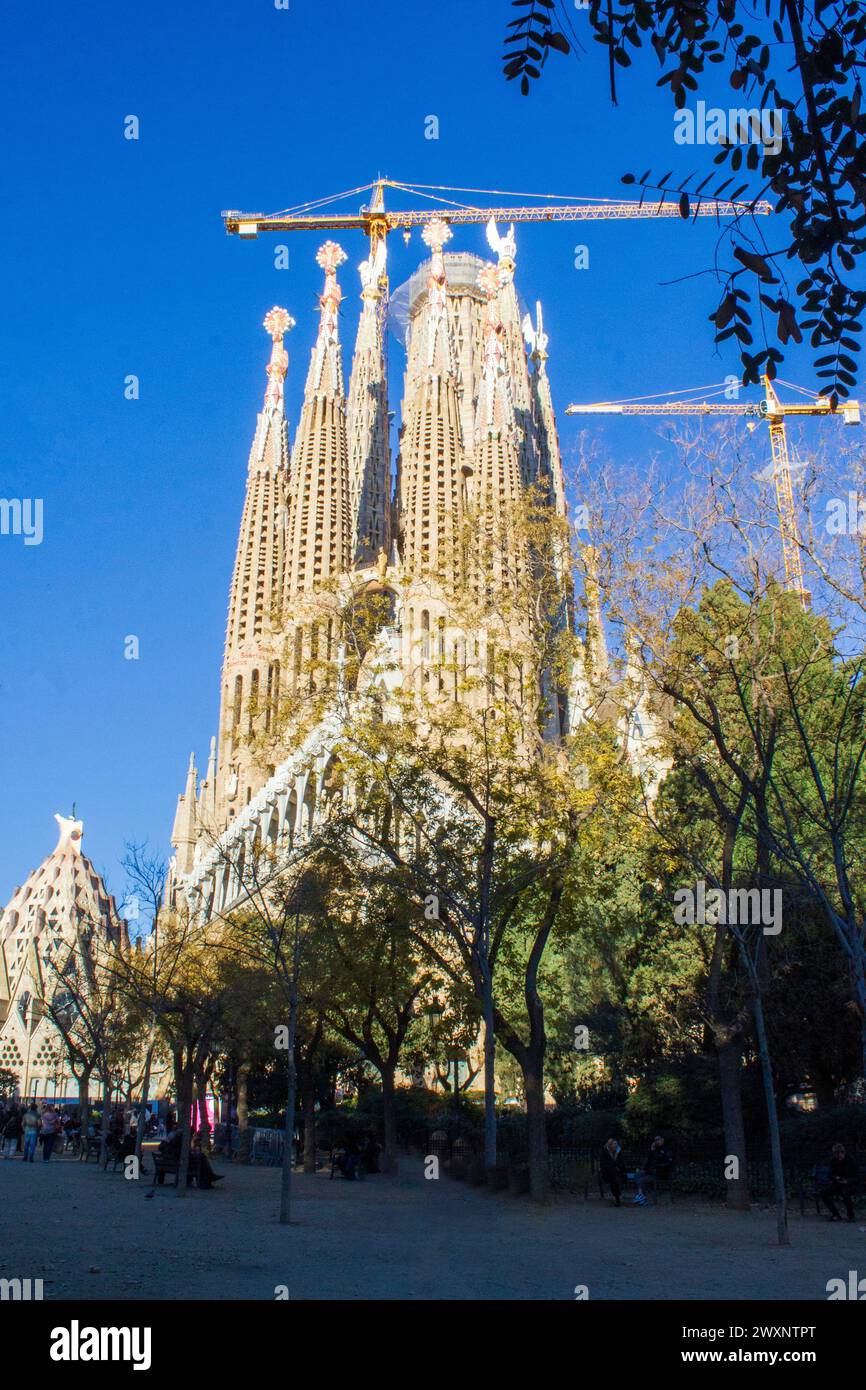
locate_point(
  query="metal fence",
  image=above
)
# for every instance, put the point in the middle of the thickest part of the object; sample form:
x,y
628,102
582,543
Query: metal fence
x,y
267,1147
573,1165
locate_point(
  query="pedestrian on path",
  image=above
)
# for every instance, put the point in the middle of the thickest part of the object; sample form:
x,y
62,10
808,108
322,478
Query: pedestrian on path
x,y
612,1169
31,1131
12,1131
50,1129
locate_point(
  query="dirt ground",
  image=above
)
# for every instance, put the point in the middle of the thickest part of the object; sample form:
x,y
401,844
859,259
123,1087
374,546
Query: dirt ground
x,y
90,1234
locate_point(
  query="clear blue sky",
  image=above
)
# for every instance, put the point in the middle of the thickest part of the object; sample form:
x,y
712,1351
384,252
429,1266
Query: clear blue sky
x,y
115,262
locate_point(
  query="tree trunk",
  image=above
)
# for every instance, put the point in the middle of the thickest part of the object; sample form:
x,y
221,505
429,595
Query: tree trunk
x,y
822,1084
201,1085
84,1115
489,1077
731,1085
773,1120
142,1104
536,1127
103,1130
484,979
184,1105
241,1081
286,1175
230,1087
389,1120
308,1101
288,1143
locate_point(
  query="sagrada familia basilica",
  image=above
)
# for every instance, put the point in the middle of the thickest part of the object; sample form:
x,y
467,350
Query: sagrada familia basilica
x,y
328,520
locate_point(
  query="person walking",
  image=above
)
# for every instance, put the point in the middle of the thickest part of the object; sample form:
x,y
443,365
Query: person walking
x,y
31,1131
66,1130
843,1183
612,1169
12,1131
50,1130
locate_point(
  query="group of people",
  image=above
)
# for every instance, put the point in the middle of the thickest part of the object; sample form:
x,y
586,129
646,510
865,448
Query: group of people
x,y
200,1168
842,1179
354,1157
657,1166
22,1128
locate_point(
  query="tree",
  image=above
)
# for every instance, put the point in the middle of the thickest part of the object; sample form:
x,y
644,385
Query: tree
x,y
8,1082
757,705
271,931
371,977
146,877
458,791
89,1011
802,63
183,981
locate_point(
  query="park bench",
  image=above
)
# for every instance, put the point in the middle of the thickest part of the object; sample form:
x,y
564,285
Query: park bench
x,y
811,1185
360,1171
167,1163
652,1183
116,1152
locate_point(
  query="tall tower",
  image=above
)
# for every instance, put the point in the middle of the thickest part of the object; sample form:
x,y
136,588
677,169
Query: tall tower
x,y
549,457
497,484
319,536
369,444
61,910
514,351
478,430
432,459
251,663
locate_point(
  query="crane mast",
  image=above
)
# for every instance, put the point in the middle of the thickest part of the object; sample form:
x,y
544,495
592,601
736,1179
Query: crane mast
x,y
774,411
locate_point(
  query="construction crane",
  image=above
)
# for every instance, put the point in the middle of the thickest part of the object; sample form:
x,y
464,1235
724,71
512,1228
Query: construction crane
x,y
376,221
775,413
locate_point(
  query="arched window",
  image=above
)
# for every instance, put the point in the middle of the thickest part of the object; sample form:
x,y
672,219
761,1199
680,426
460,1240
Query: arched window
x,y
254,699
236,708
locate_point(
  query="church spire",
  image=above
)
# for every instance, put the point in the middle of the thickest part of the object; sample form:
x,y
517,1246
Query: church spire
x,y
495,413
325,374
185,831
257,562
514,350
255,588
432,457
277,323
367,414
550,458
498,484
319,530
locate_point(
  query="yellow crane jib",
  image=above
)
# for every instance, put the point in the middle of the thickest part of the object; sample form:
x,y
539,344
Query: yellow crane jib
x,y
376,221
